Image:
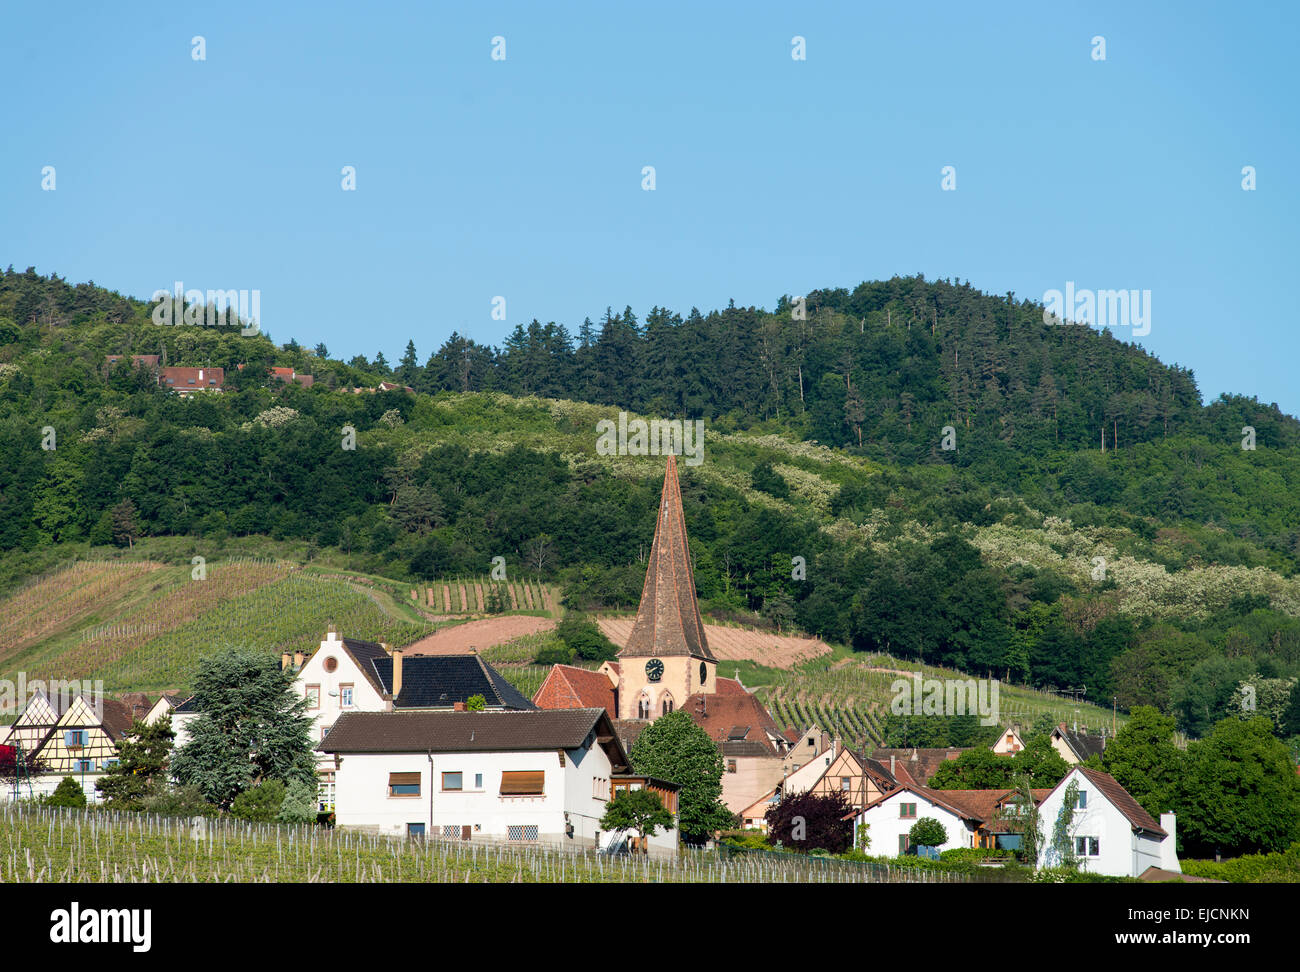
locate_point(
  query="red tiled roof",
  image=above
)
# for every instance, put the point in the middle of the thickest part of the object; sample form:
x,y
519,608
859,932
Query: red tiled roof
x,y
729,686
192,378
719,714
668,619
919,764
568,687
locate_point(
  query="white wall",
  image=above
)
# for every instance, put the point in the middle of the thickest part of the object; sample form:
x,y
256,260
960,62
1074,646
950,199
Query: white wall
x,y
362,800
886,826
364,696
1123,852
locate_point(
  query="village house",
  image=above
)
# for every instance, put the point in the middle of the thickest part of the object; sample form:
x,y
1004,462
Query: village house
x,y
69,736
1076,746
540,777
971,818
1110,831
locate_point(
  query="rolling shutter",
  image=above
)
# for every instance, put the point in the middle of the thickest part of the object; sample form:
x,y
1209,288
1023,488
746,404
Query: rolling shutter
x,y
523,783
403,779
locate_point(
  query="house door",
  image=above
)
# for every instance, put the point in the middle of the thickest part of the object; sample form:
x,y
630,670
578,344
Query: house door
x,y
464,832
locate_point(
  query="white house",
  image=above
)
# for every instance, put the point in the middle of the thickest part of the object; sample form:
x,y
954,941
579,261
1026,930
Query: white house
x,y
347,675
893,815
539,776
1110,831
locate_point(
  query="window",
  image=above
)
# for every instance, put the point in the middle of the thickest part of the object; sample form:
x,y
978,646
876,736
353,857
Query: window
x,y
845,783
1082,802
451,781
668,706
812,742
902,843
110,763
325,792
403,784
313,696
331,663
345,696
519,832
643,708
478,781
794,768
523,783
1087,846
74,738
731,766
83,766
906,810
415,830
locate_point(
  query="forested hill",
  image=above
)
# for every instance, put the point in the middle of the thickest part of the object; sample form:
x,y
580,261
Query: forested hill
x,y
882,368
984,558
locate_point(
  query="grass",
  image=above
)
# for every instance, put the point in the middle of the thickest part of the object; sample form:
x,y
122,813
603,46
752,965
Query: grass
x,y
67,846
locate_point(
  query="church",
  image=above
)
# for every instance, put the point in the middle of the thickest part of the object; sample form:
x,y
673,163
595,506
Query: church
x,y
667,665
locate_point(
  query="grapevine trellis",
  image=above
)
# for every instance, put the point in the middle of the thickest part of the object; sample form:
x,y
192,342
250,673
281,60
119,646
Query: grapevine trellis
x,y
58,845
471,595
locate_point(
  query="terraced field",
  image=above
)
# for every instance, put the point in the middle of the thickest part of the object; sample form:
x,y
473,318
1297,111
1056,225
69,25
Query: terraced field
x,y
469,595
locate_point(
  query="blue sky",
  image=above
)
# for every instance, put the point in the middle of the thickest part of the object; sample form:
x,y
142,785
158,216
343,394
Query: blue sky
x,y
522,178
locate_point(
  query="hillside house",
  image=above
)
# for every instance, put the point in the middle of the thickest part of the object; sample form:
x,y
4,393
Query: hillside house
x,y
71,736
1076,746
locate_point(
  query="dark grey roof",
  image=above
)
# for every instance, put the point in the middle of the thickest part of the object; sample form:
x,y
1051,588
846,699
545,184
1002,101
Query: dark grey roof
x,y
187,706
1082,744
629,730
440,681
743,747
420,731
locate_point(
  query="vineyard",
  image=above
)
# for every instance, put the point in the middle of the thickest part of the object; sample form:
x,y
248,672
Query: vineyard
x,y
176,618
736,644
47,845
472,596
851,696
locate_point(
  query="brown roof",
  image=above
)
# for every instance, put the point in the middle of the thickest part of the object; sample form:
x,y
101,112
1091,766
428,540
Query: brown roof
x,y
668,619
193,378
919,764
728,686
117,718
1120,798
628,730
441,731
723,715
569,687
984,805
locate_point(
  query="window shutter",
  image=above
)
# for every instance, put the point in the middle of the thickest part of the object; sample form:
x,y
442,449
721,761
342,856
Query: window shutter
x,y
403,779
523,783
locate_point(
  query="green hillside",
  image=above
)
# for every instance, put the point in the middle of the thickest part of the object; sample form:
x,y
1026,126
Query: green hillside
x,y
1161,571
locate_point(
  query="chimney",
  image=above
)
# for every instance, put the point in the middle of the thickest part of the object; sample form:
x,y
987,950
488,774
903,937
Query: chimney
x,y
200,374
284,660
458,707
297,660
332,634
397,672
892,768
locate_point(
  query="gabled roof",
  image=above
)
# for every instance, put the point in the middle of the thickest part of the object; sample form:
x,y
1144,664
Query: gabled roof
x,y
570,687
416,731
1082,744
668,619
1120,799
738,723
440,681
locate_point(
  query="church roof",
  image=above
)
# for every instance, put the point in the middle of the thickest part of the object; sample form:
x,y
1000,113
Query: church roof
x,y
668,621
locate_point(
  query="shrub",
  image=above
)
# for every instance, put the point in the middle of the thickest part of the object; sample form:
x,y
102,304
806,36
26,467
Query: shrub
x,y
555,655
928,832
259,804
582,634
178,801
299,804
1275,868
67,794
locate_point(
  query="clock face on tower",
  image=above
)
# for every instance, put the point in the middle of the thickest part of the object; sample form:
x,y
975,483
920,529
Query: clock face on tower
x,y
704,673
654,669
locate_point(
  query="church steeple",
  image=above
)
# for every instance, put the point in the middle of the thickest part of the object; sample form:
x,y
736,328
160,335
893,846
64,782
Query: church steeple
x,y
668,620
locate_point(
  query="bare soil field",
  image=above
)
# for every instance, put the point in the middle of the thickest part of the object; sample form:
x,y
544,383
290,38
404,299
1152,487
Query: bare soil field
x,y
737,644
480,634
